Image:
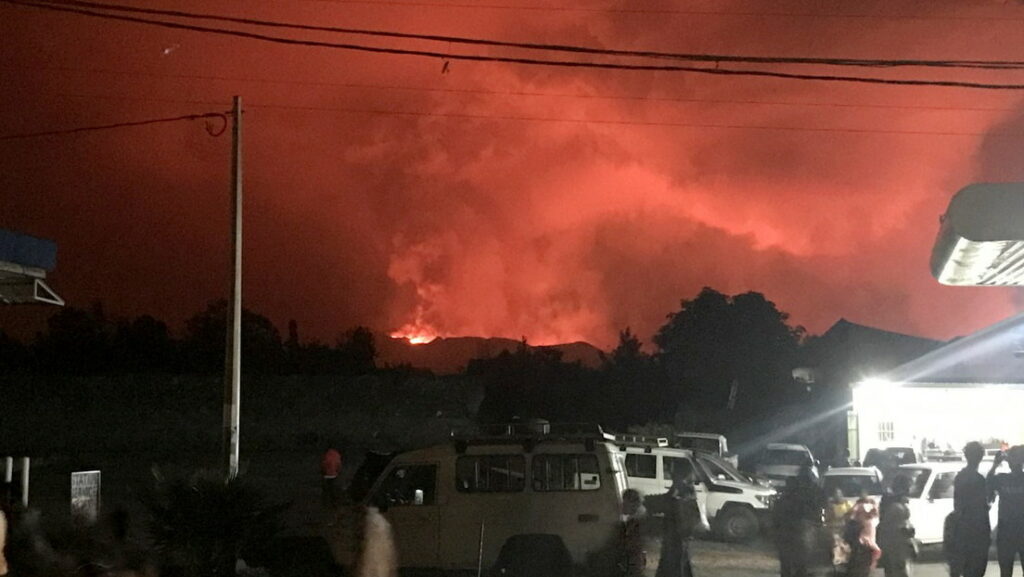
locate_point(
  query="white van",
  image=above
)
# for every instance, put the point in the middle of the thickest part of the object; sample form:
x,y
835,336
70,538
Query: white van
x,y
508,489
736,507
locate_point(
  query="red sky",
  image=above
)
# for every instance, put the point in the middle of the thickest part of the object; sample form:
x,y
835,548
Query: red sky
x,y
496,199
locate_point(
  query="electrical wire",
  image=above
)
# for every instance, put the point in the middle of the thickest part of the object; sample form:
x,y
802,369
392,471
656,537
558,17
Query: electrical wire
x,y
526,61
517,93
220,115
256,105
666,11
706,58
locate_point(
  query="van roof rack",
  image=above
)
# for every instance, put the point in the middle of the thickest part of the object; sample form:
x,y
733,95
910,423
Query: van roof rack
x,y
529,433
640,441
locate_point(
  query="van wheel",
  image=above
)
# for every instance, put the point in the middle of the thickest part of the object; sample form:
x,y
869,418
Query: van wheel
x,y
736,524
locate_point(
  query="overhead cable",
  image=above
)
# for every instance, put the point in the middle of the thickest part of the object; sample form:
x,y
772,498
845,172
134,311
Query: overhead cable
x,y
688,57
669,11
258,105
516,93
718,71
214,132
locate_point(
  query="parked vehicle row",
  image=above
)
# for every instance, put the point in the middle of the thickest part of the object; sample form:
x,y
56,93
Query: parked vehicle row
x,y
477,501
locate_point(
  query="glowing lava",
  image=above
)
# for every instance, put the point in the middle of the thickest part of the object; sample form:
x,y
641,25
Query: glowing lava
x,y
415,334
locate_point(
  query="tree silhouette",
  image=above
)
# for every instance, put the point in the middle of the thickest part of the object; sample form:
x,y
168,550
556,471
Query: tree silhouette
x,y
729,351
632,386
77,341
534,382
357,352
144,344
205,337
14,355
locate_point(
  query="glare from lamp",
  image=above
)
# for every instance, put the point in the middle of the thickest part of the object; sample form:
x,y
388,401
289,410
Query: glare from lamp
x,y
875,384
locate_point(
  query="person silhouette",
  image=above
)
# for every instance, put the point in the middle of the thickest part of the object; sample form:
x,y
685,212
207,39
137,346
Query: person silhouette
x,y
682,519
797,513
895,532
969,539
1010,488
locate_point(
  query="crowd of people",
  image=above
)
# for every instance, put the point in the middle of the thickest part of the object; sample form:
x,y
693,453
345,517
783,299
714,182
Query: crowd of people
x,y
866,534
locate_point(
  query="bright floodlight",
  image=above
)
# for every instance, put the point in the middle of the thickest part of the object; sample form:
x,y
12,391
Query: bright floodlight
x,y
981,237
875,383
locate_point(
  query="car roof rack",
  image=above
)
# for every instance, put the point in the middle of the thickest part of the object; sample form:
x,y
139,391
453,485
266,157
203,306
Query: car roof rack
x,y
640,441
529,433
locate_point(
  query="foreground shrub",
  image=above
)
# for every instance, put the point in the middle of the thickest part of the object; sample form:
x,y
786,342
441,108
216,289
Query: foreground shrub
x,y
201,525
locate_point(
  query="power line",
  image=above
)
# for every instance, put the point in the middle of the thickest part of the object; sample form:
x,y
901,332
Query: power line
x,y
220,115
688,57
527,61
595,121
475,91
666,11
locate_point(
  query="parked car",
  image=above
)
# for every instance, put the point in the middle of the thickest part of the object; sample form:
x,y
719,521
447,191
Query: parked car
x,y
852,482
780,462
736,507
931,496
708,443
556,494
887,459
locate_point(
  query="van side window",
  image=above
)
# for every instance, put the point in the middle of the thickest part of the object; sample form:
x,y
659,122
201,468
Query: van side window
x,y
490,473
566,473
408,485
670,466
645,466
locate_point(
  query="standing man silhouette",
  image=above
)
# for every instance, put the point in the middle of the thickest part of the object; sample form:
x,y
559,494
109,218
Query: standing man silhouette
x,y
970,536
1010,488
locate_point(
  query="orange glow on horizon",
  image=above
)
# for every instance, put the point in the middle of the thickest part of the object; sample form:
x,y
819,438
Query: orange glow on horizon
x,y
415,334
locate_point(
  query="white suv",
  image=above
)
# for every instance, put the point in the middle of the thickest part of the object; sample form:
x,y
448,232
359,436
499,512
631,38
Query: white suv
x,y
736,507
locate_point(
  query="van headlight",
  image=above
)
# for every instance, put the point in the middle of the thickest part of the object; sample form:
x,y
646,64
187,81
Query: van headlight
x,y
766,500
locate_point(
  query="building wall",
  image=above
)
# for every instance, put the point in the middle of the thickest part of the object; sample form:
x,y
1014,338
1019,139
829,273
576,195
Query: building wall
x,y
948,415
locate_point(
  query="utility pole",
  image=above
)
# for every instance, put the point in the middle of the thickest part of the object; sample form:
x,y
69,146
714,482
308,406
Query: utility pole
x,y
233,350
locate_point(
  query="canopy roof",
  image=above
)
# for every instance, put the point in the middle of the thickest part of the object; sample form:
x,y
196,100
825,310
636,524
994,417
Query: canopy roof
x,y
24,262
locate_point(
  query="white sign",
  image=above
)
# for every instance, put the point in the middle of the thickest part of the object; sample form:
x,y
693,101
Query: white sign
x,y
85,494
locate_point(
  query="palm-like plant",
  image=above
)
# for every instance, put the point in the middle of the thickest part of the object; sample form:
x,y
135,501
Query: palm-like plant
x,y
201,524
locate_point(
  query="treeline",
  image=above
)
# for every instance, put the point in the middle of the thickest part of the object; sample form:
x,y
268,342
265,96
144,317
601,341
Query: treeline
x,y
87,342
717,362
